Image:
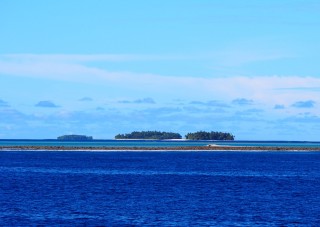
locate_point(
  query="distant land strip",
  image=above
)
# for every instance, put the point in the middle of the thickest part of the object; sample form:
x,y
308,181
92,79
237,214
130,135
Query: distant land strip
x,y
179,148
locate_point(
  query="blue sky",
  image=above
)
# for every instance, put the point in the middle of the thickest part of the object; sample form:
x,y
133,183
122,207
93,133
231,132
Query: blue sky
x,y
106,67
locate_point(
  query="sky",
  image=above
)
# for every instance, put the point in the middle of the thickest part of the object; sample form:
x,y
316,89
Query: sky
x,y
99,68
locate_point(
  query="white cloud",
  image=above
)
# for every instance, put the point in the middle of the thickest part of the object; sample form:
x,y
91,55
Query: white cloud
x,y
264,90
238,57
247,51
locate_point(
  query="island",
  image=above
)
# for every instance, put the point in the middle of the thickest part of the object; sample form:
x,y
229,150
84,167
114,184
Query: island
x,y
202,135
157,135
154,135
75,138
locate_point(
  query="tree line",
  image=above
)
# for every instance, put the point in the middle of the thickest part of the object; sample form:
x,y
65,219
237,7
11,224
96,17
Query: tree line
x,y
200,135
75,137
149,135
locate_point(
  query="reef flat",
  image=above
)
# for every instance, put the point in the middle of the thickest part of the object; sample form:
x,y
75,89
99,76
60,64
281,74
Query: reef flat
x,y
178,148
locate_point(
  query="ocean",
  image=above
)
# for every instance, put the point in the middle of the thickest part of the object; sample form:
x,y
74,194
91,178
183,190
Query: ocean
x,y
50,188
153,143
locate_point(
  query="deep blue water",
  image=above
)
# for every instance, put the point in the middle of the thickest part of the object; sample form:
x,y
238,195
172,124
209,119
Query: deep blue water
x,y
159,188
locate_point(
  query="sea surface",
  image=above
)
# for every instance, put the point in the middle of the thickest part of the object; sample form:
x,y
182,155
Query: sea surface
x,y
153,143
50,188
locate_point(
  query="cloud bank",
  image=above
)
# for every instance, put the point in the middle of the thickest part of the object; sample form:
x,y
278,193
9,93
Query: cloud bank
x,y
242,104
268,89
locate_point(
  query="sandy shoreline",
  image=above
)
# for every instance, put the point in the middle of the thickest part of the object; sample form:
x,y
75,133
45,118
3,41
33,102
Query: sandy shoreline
x,y
182,148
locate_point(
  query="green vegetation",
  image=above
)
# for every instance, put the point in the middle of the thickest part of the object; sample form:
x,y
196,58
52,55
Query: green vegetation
x,y
201,135
149,135
75,137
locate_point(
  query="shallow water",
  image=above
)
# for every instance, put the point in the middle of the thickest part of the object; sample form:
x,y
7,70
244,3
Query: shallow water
x,y
154,143
160,188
